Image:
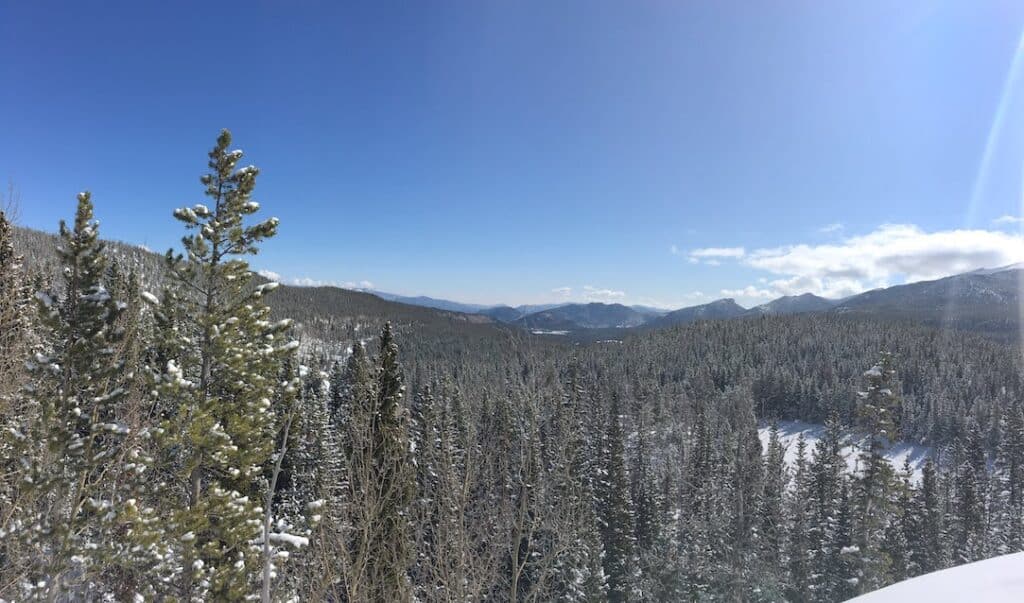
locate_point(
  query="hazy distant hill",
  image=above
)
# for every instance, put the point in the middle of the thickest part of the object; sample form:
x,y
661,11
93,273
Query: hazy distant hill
x,y
794,304
430,302
716,310
986,301
584,316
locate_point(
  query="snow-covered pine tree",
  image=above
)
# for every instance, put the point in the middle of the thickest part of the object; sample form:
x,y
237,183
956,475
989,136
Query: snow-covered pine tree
x,y
827,488
217,386
616,513
14,308
69,446
896,545
772,519
1006,485
928,551
876,413
744,574
395,479
799,514
968,501
572,464
381,475
14,324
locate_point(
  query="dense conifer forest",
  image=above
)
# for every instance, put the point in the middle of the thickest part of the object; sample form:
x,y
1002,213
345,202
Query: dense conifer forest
x,y
178,428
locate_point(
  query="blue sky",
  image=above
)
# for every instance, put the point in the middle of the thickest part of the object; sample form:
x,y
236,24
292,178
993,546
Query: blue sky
x,y
665,153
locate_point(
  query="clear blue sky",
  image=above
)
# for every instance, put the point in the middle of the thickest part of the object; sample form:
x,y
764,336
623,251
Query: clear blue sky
x,y
501,152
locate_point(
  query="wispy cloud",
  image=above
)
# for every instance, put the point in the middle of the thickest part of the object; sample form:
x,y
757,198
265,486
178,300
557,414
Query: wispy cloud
x,y
713,256
563,292
591,293
890,254
1007,219
718,252
305,281
750,291
831,228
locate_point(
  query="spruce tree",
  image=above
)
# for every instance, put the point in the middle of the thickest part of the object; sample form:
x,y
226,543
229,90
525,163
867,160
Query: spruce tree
x,y
800,515
381,475
771,518
928,543
66,512
616,512
219,387
876,417
14,331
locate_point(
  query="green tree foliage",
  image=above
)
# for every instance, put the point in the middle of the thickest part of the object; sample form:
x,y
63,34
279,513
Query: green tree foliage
x,y
65,510
221,387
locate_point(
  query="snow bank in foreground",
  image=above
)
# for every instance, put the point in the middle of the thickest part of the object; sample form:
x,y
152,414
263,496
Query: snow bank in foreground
x,y
996,580
789,431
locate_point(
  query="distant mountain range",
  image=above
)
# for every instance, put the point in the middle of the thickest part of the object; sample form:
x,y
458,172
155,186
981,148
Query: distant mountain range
x,y
986,300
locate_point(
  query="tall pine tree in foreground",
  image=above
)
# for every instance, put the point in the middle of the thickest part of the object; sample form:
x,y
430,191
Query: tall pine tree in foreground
x,y
222,389
65,509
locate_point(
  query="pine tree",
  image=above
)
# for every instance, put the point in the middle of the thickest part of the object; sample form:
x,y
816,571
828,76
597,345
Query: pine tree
x,y
616,513
381,475
771,518
66,511
1006,486
800,514
927,545
219,386
14,325
14,331
572,462
896,545
827,486
876,414
968,502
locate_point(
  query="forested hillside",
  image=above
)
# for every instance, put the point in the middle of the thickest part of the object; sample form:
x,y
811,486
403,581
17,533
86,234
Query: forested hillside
x,y
178,428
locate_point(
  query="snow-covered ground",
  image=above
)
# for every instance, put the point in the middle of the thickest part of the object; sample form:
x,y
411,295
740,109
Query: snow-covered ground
x,y
789,431
996,580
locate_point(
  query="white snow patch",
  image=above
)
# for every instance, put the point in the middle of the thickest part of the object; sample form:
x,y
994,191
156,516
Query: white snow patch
x,y
996,580
789,432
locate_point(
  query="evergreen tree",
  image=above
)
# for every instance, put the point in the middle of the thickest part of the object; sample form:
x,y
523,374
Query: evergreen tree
x,y
381,475
14,324
1006,486
772,518
219,387
968,500
14,332
800,515
876,417
896,545
927,546
68,448
827,490
616,513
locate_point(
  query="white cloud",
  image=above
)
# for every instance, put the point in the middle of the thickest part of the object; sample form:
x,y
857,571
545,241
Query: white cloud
x,y
749,291
305,281
591,293
890,254
562,291
269,275
1008,219
831,228
718,252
